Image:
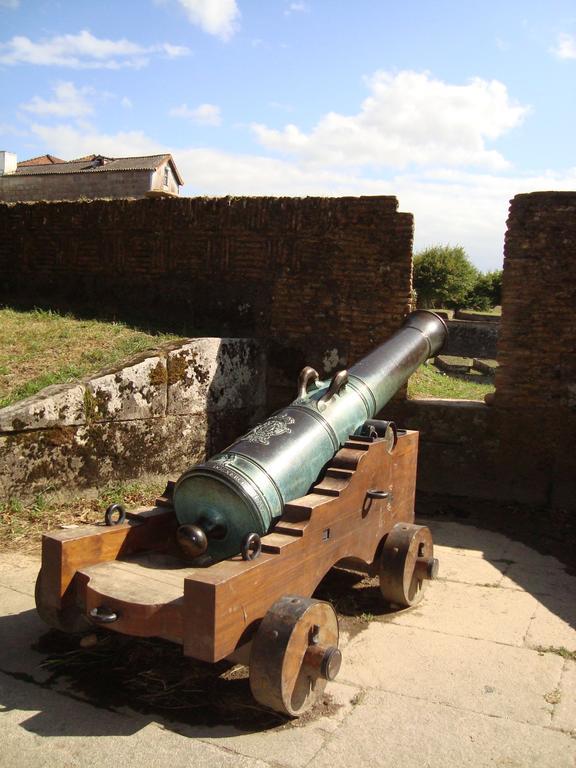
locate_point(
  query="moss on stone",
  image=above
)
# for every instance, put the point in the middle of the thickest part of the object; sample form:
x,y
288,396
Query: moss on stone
x,y
158,375
90,406
60,436
177,369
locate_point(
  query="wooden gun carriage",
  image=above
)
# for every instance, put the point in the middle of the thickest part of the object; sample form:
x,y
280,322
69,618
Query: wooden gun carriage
x,y
255,606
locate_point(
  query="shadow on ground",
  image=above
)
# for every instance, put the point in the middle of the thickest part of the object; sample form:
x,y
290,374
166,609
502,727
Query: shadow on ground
x,y
143,680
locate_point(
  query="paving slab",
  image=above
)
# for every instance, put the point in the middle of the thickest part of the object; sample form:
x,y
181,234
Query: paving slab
x,y
486,613
565,710
539,579
553,624
393,731
20,628
469,674
518,552
468,539
19,572
454,682
41,728
457,566
293,745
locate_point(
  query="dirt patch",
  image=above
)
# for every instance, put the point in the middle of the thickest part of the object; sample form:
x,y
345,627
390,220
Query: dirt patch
x,y
356,598
152,676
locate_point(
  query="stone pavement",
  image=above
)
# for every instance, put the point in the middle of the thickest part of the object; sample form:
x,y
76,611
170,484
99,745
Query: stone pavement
x,y
479,674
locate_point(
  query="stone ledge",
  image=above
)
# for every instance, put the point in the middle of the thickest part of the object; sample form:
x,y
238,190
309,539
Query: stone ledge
x,y
57,405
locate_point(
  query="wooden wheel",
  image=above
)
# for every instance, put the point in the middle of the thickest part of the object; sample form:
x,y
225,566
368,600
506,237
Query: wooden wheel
x,y
294,653
407,564
70,619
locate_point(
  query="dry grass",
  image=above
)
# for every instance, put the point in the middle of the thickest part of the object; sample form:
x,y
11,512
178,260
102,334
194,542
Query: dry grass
x,y
23,523
42,347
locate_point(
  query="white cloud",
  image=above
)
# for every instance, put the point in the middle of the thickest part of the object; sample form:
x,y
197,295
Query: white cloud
x,y
409,119
69,141
68,101
205,114
83,51
173,51
9,3
565,47
126,102
298,7
7,129
217,17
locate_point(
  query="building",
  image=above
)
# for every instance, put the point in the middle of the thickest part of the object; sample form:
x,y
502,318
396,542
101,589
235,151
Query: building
x,y
50,178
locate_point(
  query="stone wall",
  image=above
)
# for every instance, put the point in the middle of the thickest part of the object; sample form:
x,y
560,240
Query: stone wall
x,y
163,411
323,279
472,338
479,463
72,186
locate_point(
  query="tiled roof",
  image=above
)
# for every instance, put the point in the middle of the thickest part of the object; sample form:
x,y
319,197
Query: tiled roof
x,y
41,160
89,166
49,165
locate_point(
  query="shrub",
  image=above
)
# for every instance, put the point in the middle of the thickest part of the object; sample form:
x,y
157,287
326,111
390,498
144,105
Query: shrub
x,y
487,292
444,277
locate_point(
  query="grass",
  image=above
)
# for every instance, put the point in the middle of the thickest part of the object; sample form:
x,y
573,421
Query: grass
x,y
495,311
23,523
43,347
428,382
558,650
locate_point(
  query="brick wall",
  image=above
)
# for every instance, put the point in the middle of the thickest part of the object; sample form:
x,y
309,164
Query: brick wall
x,y
536,382
537,350
324,279
521,452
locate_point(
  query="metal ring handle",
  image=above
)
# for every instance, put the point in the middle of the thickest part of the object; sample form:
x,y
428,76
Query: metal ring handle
x,y
336,385
307,375
251,546
103,615
115,509
372,493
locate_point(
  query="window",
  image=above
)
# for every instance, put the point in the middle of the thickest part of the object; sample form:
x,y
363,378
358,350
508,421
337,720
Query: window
x,y
166,175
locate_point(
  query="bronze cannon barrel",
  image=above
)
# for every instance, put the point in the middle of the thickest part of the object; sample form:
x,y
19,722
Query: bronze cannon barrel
x,y
244,488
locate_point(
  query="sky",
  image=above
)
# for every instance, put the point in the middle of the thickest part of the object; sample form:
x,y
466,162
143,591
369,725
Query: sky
x,y
452,106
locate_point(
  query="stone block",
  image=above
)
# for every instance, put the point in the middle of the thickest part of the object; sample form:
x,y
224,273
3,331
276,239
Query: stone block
x,y
453,364
487,367
137,391
470,314
99,453
215,374
57,405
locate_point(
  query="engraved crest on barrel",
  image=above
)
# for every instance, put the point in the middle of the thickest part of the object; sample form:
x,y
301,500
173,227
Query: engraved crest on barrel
x,y
244,488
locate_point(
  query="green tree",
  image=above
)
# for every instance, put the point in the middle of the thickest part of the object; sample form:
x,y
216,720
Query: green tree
x,y
487,292
444,276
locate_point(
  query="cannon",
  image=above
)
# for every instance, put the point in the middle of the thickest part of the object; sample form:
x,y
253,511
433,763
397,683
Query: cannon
x,y
228,559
